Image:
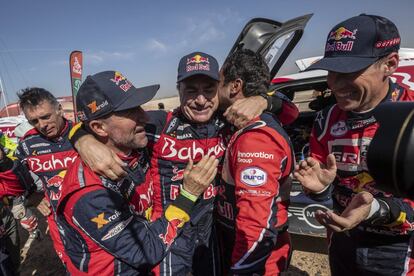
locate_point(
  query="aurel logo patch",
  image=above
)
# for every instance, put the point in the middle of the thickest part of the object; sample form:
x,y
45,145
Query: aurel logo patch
x,y
253,176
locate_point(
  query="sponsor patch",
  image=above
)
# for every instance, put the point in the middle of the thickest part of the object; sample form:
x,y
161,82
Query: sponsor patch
x,y
339,129
117,229
253,176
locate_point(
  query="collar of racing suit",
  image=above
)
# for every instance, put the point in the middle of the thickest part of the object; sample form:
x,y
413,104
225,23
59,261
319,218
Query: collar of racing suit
x,y
361,120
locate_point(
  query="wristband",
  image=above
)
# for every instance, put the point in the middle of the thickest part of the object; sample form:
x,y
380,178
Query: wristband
x,y
188,195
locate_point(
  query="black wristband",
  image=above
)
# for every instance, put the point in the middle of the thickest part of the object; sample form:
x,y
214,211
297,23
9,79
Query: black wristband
x,y
183,203
80,132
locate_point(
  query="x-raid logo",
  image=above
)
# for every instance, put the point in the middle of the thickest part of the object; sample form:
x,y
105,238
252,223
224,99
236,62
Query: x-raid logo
x,y
197,62
334,43
121,82
94,107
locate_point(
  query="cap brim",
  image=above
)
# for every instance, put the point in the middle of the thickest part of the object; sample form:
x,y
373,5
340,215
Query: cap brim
x,y
138,97
213,76
342,64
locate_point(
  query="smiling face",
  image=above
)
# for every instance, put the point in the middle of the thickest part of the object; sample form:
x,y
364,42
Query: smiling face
x,y
198,98
125,129
359,91
46,117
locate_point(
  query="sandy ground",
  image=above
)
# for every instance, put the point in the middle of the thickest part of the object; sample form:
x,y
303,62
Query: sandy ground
x,y
309,254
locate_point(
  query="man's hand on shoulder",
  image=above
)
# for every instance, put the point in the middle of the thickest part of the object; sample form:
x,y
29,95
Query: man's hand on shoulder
x,y
100,158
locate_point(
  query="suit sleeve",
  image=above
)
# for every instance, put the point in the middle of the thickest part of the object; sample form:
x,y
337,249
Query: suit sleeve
x,y
15,179
256,162
104,216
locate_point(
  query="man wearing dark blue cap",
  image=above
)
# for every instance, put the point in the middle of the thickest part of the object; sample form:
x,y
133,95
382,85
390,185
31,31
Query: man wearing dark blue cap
x,y
104,228
372,230
187,133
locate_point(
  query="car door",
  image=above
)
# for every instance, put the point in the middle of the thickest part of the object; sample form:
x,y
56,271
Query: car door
x,y
272,39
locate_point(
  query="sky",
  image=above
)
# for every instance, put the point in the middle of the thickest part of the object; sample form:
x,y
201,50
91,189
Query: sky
x,y
146,39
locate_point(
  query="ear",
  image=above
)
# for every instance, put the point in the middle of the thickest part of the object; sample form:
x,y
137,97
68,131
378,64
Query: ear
x,y
391,63
60,110
236,87
99,127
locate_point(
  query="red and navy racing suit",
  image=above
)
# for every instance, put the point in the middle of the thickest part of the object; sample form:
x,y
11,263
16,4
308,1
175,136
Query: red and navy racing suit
x,y
105,234
48,159
383,243
253,199
173,141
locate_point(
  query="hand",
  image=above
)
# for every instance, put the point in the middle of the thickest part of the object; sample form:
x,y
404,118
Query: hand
x,y
242,111
198,177
100,158
44,207
312,176
355,213
29,223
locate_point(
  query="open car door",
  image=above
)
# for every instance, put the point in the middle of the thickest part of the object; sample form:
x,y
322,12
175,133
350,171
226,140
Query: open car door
x,y
272,39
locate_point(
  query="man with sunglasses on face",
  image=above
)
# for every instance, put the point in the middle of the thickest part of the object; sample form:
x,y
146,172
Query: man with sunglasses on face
x,y
371,230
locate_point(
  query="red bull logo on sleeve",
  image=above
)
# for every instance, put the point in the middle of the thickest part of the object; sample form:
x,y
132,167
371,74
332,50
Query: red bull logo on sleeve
x,y
197,62
336,36
171,233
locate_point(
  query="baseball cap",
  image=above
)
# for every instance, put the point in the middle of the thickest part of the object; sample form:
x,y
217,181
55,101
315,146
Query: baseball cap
x,y
198,63
358,42
107,92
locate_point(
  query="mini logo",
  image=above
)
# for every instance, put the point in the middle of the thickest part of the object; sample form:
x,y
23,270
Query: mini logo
x,y
100,220
309,215
178,174
253,176
339,129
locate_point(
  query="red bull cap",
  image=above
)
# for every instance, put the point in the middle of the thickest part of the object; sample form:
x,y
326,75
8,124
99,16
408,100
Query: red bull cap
x,y
358,42
198,63
110,91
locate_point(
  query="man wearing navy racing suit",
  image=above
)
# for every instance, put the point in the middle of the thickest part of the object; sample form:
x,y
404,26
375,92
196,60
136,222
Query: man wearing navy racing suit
x,y
372,230
102,233
189,132
253,197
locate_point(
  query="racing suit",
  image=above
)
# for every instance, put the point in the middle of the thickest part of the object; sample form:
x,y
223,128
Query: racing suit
x,y
381,244
49,160
104,233
15,182
253,199
173,140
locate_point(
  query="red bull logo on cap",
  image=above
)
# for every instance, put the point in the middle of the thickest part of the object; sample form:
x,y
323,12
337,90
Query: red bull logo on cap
x,y
197,62
339,34
342,33
118,78
171,233
197,59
